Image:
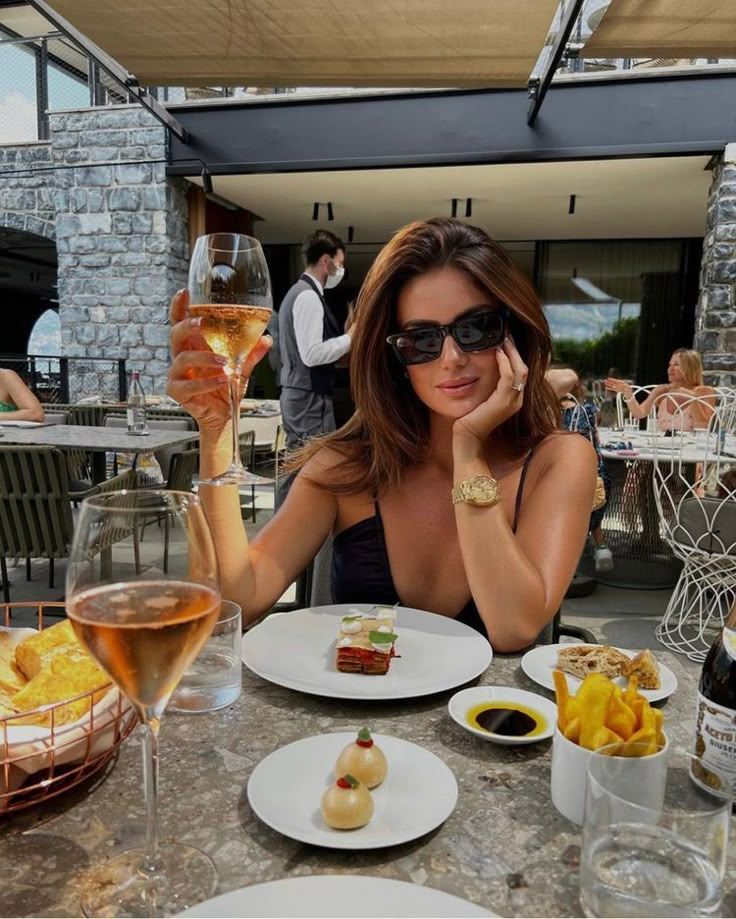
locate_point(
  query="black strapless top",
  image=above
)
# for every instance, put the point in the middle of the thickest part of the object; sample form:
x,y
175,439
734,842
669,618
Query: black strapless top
x,y
361,572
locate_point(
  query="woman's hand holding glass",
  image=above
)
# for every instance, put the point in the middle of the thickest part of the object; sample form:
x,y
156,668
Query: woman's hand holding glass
x,y
505,400
197,378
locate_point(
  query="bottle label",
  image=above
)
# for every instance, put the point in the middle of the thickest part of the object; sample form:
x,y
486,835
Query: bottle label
x,y
729,642
715,745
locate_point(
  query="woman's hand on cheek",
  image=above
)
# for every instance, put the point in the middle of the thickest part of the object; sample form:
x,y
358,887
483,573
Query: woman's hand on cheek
x,y
503,402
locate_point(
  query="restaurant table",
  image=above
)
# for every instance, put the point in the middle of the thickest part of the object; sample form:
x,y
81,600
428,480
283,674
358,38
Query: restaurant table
x,y
504,847
98,440
631,526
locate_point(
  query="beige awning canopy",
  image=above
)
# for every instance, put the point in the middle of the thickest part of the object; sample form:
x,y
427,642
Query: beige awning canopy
x,y
665,28
452,43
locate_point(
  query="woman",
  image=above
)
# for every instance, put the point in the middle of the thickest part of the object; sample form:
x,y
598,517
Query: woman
x,y
443,394
17,402
680,412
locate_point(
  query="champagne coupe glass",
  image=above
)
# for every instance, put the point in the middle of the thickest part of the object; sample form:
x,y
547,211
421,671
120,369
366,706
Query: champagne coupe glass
x,y
144,611
230,291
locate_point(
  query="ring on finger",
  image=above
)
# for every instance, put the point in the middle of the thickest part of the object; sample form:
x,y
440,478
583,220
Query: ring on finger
x,y
519,387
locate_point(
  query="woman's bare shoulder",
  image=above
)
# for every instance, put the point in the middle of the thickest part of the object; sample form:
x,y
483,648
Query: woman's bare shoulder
x,y
329,466
565,447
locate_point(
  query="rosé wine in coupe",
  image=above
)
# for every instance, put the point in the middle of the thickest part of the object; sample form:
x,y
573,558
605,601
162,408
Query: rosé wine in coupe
x,y
145,633
231,331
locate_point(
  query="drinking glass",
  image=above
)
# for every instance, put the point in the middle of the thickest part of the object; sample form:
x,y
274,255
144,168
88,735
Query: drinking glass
x,y
144,610
653,844
214,680
230,291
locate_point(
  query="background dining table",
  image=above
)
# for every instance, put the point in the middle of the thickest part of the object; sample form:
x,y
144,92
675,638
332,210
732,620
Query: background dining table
x,y
98,440
504,847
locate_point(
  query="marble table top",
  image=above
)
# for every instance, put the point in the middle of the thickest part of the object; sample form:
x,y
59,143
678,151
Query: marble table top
x,y
504,847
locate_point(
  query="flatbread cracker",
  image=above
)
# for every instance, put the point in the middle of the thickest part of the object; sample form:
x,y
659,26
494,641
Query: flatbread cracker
x,y
37,651
64,679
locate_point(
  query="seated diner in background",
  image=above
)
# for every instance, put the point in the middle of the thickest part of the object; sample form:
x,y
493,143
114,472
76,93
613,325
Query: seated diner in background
x,y
17,402
685,375
451,489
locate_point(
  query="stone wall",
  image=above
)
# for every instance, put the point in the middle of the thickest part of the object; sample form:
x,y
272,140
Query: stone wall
x,y
121,234
715,320
26,202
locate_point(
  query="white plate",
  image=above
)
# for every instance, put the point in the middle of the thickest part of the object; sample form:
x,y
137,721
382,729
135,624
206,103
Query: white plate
x,y
336,895
417,795
297,650
539,664
466,699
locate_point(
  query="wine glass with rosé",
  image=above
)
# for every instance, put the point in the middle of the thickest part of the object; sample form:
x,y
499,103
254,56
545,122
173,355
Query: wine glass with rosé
x,y
230,291
144,611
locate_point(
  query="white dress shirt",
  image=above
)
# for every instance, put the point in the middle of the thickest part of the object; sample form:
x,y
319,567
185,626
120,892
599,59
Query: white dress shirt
x,y
308,330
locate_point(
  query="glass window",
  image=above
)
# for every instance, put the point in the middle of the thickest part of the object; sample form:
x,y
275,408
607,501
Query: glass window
x,y
612,304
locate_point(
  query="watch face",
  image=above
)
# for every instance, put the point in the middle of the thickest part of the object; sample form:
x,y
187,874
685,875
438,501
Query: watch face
x,y
483,490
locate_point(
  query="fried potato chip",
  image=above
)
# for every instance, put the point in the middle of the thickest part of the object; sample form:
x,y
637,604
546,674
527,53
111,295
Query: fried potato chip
x,y
602,714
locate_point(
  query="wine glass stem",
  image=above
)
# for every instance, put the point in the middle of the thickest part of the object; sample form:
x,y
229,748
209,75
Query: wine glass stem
x,y
152,859
234,384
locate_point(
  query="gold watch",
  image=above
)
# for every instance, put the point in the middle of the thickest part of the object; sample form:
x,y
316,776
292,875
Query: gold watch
x,y
480,491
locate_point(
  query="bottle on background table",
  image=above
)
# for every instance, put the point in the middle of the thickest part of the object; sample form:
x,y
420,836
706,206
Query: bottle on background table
x,y
136,407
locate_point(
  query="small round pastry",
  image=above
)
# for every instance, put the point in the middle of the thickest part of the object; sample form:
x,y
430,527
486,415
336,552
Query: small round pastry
x,y
347,804
363,759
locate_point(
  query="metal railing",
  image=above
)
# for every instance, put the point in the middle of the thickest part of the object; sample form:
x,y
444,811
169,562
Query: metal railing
x,y
53,378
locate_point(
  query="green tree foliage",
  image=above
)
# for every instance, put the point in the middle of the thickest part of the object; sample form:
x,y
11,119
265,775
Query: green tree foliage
x,y
593,357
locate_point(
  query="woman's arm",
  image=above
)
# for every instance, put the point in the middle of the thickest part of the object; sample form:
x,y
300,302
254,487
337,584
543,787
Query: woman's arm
x,y
519,583
636,409
518,579
28,406
253,576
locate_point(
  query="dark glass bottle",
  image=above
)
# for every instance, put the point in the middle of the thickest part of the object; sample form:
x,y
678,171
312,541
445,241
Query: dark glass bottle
x,y
715,726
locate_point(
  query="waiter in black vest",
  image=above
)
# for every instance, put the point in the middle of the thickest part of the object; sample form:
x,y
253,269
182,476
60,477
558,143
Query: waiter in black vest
x,y
310,342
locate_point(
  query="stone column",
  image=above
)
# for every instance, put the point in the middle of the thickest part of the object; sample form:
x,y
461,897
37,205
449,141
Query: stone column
x,y
715,318
121,231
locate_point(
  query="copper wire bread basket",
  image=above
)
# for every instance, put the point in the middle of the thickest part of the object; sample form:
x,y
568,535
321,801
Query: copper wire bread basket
x,y
50,748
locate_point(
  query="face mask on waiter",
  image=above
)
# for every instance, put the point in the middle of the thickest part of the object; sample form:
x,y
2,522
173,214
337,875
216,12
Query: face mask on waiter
x,y
334,279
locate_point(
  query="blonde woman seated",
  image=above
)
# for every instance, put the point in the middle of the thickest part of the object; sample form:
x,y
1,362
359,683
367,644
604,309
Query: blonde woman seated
x,y
678,412
451,488
17,402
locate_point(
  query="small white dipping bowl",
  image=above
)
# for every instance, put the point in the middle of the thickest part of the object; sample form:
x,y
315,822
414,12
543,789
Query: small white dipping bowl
x,y
465,700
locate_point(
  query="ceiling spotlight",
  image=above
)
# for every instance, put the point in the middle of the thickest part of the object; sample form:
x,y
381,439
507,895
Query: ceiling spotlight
x,y
330,214
571,205
468,207
315,211
351,234
454,207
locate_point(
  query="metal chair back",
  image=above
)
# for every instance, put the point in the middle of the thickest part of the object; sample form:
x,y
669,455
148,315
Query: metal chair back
x,y
695,492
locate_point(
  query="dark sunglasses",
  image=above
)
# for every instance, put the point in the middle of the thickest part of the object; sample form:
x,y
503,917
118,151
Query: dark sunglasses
x,y
476,332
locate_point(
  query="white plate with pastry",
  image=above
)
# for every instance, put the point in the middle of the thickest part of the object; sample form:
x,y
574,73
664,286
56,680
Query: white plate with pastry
x,y
286,791
540,663
336,895
303,649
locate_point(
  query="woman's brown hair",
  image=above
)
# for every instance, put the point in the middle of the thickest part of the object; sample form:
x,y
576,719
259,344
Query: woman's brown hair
x,y
389,431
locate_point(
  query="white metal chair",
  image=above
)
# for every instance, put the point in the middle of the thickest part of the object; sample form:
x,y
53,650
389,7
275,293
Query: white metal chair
x,y
624,419
695,493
